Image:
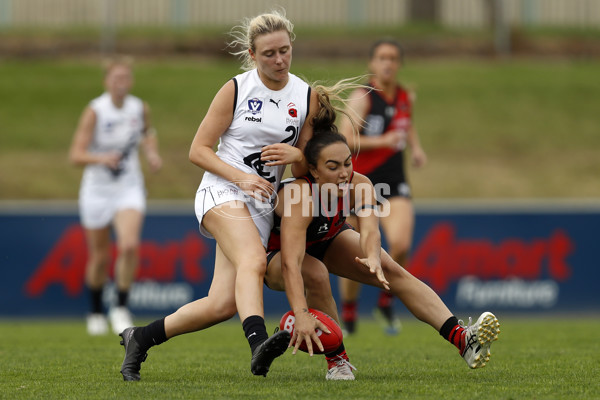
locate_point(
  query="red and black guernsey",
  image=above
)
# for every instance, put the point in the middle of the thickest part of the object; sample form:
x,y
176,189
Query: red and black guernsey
x,y
384,117
325,226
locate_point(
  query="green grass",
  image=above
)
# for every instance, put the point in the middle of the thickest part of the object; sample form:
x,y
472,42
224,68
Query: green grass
x,y
541,358
504,129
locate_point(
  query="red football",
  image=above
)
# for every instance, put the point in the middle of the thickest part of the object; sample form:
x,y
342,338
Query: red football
x,y
330,341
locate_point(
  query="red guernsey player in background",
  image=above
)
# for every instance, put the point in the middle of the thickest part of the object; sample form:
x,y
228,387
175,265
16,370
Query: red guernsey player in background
x,y
378,153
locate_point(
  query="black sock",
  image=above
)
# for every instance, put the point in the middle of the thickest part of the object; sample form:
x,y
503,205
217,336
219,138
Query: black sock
x,y
122,296
350,326
96,300
336,352
152,334
255,331
388,313
446,329
349,315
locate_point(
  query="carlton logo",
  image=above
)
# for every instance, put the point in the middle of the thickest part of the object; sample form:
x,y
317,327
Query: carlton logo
x,y
64,265
442,258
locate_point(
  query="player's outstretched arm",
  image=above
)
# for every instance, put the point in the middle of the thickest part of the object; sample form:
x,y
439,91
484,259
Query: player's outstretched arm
x,y
368,225
294,222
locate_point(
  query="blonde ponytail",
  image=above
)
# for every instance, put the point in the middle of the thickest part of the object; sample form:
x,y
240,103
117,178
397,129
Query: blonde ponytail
x,y
333,102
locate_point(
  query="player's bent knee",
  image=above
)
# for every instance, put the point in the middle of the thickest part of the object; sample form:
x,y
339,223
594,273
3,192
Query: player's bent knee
x,y
129,248
254,265
316,279
224,311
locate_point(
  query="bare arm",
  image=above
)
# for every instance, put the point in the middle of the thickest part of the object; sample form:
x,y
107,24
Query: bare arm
x,y
306,132
150,142
79,154
418,156
294,223
368,226
215,123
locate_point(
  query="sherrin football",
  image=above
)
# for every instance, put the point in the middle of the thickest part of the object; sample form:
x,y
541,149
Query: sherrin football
x,y
330,341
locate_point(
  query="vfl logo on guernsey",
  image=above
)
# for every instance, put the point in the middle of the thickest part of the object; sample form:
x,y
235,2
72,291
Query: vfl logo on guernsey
x,y
255,107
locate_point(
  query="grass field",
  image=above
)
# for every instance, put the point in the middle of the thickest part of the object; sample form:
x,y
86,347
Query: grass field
x,y
492,129
539,358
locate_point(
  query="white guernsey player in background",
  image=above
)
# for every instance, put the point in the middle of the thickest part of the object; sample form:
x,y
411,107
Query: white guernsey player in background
x,y
112,191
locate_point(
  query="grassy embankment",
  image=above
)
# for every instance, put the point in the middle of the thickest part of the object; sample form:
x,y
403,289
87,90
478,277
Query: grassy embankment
x,y
492,129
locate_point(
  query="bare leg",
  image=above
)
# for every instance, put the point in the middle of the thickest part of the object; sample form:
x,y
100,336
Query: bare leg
x,y
96,274
240,243
218,306
98,243
128,227
349,294
316,283
398,227
419,298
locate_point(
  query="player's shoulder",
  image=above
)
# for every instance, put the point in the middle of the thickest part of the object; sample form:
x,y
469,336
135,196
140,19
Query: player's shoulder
x,y
100,101
360,178
404,92
134,102
296,80
292,183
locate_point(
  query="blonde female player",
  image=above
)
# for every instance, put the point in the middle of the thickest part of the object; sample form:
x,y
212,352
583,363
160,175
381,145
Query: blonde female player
x,y
106,142
261,118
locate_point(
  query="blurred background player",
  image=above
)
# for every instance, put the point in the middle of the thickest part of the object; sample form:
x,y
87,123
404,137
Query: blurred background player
x,y
379,154
112,193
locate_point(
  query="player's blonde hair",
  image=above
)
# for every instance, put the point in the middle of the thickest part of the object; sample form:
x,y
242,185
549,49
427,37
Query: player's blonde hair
x,y
244,35
331,98
333,101
120,60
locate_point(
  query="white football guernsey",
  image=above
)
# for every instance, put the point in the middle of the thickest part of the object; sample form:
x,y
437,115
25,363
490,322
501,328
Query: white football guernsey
x,y
117,129
261,117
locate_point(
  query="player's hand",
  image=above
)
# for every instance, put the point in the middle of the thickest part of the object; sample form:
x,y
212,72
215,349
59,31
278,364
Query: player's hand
x,y
255,186
110,159
280,154
154,161
419,158
395,140
375,268
305,331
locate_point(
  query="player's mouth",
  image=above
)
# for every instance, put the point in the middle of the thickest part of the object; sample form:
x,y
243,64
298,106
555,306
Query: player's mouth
x,y
343,186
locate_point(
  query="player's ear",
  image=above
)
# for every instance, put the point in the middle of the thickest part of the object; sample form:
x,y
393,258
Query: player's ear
x,y
252,55
313,171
